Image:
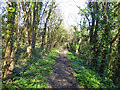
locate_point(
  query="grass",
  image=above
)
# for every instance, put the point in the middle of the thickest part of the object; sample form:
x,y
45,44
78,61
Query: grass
x,y
32,73
86,76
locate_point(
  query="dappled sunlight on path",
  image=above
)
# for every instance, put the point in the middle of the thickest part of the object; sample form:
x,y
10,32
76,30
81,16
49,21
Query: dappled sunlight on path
x,y
62,76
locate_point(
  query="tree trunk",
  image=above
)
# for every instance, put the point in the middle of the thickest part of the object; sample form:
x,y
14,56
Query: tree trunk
x,y
92,27
35,24
105,38
8,65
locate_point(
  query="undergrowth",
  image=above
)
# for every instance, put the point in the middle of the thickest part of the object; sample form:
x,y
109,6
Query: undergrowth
x,y
32,73
86,76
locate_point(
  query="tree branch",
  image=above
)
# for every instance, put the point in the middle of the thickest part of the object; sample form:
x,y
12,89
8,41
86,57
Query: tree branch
x,y
115,36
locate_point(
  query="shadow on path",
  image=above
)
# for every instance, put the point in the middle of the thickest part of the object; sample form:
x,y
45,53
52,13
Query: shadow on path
x,y
62,76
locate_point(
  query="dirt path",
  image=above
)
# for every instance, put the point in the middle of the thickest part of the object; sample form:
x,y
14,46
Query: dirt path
x,y
62,76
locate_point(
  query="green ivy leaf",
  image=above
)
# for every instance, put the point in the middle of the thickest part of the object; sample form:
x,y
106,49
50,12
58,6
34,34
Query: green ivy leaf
x,y
11,9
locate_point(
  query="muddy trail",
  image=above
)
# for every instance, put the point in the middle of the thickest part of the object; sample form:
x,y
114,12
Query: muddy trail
x,y
62,76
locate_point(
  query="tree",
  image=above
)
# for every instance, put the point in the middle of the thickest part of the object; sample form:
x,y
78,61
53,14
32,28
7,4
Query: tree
x,y
8,65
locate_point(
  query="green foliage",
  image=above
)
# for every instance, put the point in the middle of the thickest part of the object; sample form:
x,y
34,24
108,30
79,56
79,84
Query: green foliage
x,y
95,54
76,32
11,9
102,22
86,76
35,75
24,54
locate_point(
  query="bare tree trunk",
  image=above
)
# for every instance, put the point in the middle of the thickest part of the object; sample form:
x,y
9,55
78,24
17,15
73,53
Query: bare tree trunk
x,y
46,22
35,25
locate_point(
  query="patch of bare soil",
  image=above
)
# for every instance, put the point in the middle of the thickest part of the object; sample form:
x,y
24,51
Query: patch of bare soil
x,y
62,76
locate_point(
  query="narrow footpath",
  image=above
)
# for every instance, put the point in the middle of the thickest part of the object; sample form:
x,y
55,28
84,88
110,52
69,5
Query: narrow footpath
x,y
62,76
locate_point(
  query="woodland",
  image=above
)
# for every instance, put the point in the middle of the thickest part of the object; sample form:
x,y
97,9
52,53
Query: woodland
x,y
36,46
